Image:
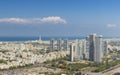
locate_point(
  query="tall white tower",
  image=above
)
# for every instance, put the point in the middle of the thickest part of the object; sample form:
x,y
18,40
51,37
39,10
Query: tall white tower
x,y
72,52
95,47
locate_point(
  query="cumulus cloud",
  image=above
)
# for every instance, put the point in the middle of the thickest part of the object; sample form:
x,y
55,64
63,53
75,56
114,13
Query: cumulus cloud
x,y
111,25
51,19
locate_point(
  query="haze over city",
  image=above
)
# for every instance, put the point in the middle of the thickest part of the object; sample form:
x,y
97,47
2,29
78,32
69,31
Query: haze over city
x,y
59,17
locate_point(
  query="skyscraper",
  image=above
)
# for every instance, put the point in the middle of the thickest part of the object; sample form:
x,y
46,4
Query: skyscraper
x,y
78,50
95,47
65,44
72,52
105,48
59,44
84,50
52,44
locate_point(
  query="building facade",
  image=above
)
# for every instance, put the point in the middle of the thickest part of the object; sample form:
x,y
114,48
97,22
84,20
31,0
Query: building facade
x,y
95,47
65,44
52,44
59,44
72,52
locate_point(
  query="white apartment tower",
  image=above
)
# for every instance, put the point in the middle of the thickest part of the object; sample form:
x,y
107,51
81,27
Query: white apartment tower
x,y
79,49
72,52
95,47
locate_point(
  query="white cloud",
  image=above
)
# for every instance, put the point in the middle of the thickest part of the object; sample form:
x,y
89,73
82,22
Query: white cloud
x,y
12,20
51,19
111,25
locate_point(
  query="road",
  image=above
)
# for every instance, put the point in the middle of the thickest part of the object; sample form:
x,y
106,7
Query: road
x,y
112,71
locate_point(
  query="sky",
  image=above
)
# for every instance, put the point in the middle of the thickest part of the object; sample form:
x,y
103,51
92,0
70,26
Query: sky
x,y
59,17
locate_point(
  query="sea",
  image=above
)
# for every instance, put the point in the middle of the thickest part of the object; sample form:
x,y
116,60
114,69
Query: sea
x,y
37,38
45,38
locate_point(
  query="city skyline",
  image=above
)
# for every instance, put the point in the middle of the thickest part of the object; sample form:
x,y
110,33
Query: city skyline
x,y
59,18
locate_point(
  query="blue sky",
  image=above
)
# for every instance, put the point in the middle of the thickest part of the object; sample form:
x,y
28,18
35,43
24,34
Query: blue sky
x,y
59,17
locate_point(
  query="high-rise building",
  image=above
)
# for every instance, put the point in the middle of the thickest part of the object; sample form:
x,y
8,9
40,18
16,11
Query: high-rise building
x,y
72,52
52,44
87,47
65,44
78,50
84,50
59,44
95,47
105,48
